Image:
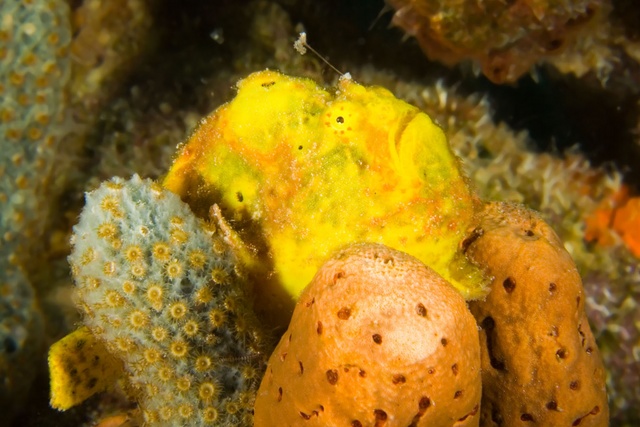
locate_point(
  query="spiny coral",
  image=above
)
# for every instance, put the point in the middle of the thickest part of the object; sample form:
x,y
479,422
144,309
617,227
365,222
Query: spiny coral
x,y
505,38
34,37
597,51
609,50
164,292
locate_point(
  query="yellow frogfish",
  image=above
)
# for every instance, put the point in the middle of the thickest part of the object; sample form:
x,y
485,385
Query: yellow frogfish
x,y
300,171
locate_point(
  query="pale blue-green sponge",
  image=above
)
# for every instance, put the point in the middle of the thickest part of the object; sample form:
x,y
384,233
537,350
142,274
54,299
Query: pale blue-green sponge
x,y
34,70
163,289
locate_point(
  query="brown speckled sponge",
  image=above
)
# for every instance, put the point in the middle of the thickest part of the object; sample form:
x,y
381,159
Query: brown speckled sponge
x,y
376,339
540,363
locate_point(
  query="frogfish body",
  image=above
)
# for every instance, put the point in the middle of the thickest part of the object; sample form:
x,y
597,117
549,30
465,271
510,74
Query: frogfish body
x,y
300,172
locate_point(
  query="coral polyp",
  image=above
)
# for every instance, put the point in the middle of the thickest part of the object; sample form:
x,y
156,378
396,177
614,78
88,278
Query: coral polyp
x,y
173,326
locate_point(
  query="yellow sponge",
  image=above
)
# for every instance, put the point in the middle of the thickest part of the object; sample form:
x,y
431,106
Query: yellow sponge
x,y
79,367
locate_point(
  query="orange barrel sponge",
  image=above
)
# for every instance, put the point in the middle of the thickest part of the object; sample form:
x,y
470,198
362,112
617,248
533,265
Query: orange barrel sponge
x,y
377,338
540,363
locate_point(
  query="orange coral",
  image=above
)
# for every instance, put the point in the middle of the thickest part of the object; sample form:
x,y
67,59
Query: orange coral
x,y
626,222
617,218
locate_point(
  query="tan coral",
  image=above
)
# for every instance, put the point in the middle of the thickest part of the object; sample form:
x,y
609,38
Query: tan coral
x,y
504,38
540,361
377,338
